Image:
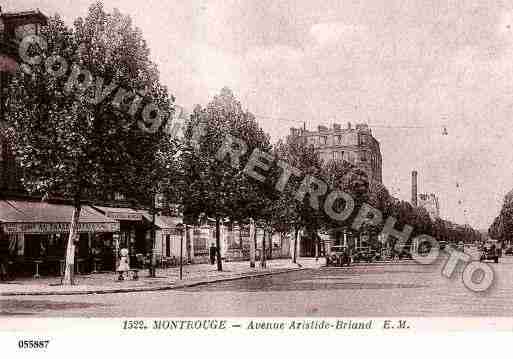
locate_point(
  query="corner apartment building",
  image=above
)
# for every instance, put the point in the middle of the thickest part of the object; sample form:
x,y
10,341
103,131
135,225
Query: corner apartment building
x,y
430,202
355,145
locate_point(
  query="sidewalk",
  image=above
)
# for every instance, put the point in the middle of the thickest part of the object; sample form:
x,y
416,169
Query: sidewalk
x,y
194,274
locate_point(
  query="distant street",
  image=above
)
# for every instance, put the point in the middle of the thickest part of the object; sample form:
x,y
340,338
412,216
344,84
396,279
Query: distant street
x,y
402,289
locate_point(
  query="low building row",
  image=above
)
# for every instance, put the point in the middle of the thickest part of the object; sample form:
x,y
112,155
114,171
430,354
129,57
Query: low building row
x,y
34,234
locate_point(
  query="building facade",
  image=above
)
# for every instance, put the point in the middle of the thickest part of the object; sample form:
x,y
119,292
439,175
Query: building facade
x,y
10,172
13,28
355,145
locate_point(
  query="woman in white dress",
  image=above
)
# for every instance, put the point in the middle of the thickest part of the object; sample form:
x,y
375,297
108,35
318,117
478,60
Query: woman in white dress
x,y
123,263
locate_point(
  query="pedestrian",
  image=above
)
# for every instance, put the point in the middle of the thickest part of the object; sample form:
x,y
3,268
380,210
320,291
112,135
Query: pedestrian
x,y
4,259
123,263
3,269
213,252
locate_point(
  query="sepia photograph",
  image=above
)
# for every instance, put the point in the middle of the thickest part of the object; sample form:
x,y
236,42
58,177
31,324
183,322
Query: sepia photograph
x,y
262,165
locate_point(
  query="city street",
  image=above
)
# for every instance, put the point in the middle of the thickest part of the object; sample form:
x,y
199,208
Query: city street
x,y
392,289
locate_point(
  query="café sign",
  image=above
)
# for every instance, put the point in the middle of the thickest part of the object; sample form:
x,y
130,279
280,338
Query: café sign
x,y
48,228
124,216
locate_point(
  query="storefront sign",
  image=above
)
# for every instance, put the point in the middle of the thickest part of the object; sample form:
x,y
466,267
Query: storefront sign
x,y
124,216
171,232
43,228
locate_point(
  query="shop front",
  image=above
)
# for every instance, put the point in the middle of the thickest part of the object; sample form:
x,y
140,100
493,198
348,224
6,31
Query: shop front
x,y
134,232
168,239
36,235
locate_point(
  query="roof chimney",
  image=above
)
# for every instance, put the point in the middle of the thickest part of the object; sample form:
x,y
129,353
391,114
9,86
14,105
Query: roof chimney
x,y
414,188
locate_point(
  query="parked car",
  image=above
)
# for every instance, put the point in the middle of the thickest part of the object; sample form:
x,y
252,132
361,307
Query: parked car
x,y
509,251
366,255
338,256
490,251
442,245
404,253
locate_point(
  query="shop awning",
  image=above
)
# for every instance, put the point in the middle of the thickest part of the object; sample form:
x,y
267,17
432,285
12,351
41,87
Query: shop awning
x,y
121,214
18,216
165,223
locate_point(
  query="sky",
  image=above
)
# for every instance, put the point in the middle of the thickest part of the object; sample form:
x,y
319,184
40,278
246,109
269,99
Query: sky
x,y
406,68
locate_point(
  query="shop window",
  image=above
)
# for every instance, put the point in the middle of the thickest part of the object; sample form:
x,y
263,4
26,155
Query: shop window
x,y
83,245
35,246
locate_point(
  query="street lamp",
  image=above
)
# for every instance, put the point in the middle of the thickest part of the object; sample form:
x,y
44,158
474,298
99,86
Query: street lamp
x,y
180,228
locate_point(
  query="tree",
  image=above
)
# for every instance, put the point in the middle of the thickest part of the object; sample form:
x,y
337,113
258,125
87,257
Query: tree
x,y
215,187
72,137
502,226
293,212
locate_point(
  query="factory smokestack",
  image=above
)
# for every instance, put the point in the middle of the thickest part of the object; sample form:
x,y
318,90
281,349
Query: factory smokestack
x,y
414,188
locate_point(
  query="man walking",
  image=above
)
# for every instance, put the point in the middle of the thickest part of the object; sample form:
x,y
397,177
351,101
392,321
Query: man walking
x,y
4,259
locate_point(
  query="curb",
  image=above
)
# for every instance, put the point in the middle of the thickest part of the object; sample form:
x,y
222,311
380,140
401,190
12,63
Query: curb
x,y
150,289
376,264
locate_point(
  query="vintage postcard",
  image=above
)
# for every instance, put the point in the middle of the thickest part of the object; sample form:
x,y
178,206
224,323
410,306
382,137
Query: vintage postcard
x,y
178,168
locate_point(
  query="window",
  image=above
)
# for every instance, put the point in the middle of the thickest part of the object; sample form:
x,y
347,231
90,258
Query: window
x,y
363,157
168,245
323,140
24,30
338,139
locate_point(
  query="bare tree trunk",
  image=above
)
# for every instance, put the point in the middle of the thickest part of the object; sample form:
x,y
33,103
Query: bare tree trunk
x,y
241,243
252,243
282,237
294,257
270,245
263,256
218,245
317,244
70,249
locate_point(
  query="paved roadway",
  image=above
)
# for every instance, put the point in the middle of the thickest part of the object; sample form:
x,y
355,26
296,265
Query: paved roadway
x,y
402,289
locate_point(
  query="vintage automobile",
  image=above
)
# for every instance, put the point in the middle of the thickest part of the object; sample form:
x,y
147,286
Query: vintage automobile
x,y
366,255
490,251
442,245
338,256
404,253
509,251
